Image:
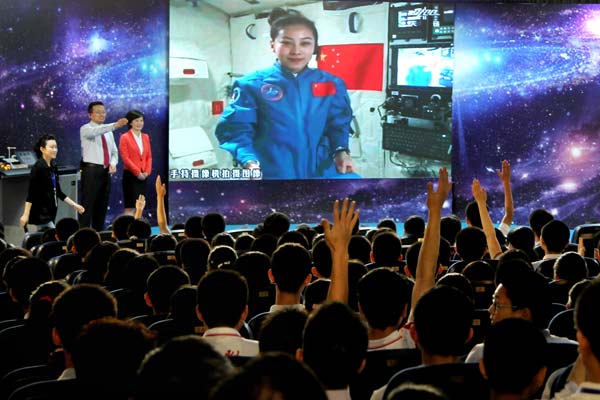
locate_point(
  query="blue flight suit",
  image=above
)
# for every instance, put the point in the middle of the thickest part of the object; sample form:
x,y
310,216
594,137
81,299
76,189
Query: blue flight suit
x,y
292,125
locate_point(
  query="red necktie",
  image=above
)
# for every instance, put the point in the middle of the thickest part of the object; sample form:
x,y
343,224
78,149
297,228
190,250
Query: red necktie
x,y
105,151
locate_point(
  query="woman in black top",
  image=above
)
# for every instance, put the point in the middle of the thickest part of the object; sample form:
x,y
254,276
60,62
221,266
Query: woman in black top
x,y
44,187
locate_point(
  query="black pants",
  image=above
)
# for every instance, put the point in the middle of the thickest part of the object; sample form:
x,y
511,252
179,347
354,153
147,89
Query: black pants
x,y
95,190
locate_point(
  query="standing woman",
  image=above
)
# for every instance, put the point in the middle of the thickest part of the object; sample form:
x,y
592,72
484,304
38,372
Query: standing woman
x,y
134,148
44,187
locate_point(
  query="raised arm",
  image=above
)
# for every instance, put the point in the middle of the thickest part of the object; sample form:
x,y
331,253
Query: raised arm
x,y
337,238
140,204
428,255
161,215
504,174
480,196
89,132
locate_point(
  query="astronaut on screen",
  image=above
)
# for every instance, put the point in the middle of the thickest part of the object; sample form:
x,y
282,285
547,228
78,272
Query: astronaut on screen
x,y
290,121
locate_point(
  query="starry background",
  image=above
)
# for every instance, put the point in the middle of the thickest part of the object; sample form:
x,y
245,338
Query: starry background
x,y
58,55
527,80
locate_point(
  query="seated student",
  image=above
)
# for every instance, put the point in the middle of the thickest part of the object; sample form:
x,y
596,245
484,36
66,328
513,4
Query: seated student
x,y
520,293
186,367
414,229
271,376
193,256
508,378
537,219
139,229
282,331
96,263
450,225
162,242
334,346
554,239
471,245
135,278
360,249
161,284
221,257
275,224
72,310
386,251
65,227
83,241
243,243
115,269
223,307
383,298
193,227
290,272
120,226
265,243
213,224
293,237
569,269
387,223
321,260
222,239
22,277
522,238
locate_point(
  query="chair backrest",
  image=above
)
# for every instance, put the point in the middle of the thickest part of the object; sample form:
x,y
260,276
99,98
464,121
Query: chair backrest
x,y
31,239
593,266
586,231
563,324
237,232
24,376
255,324
556,308
560,355
107,236
135,244
64,264
166,257
179,234
48,250
169,328
482,293
381,365
459,381
481,324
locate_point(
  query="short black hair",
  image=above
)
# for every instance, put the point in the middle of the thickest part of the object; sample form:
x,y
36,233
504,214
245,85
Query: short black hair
x,y
555,235
221,257
450,225
472,214
571,267
527,289
84,239
131,115
387,223
383,296
414,225
162,242
266,243
213,223
223,239
335,344
521,238
222,298
360,248
276,224
293,237
538,218
458,282
24,276
120,226
93,104
139,228
471,243
193,227
162,283
443,317
65,227
193,254
586,316
321,256
282,331
387,248
506,342
290,266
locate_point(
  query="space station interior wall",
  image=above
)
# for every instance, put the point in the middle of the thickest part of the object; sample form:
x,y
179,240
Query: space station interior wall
x,y
191,104
333,29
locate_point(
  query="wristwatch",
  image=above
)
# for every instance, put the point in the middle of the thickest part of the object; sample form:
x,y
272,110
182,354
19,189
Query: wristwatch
x,y
246,164
338,150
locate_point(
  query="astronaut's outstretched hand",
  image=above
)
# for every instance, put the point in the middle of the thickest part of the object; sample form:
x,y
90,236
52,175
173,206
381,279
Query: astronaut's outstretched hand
x,y
344,163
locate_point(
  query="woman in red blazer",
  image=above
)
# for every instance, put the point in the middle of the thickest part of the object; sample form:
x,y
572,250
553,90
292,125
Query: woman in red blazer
x,y
135,151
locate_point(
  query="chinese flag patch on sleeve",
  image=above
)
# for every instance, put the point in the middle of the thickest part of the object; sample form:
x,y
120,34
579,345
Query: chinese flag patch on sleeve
x,y
360,66
321,89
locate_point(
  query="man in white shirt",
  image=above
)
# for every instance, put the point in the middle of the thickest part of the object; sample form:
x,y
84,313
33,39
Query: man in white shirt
x,y
223,307
99,157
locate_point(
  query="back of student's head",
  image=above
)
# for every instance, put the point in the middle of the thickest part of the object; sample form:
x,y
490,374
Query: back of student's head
x,y
356,270
471,243
162,283
221,257
137,272
84,239
115,275
458,282
183,305
387,223
555,234
65,227
290,266
212,224
293,237
571,267
223,239
265,243
414,225
586,317
479,271
185,367
383,296
24,276
321,256
472,214
576,291
96,261
163,242
139,229
521,238
276,224
514,353
411,391
193,227
387,248
243,243
308,232
271,376
41,301
120,226
509,256
254,266
538,218
527,290
108,352
443,317
282,331
334,344
222,298
78,305
450,225
193,254
360,248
